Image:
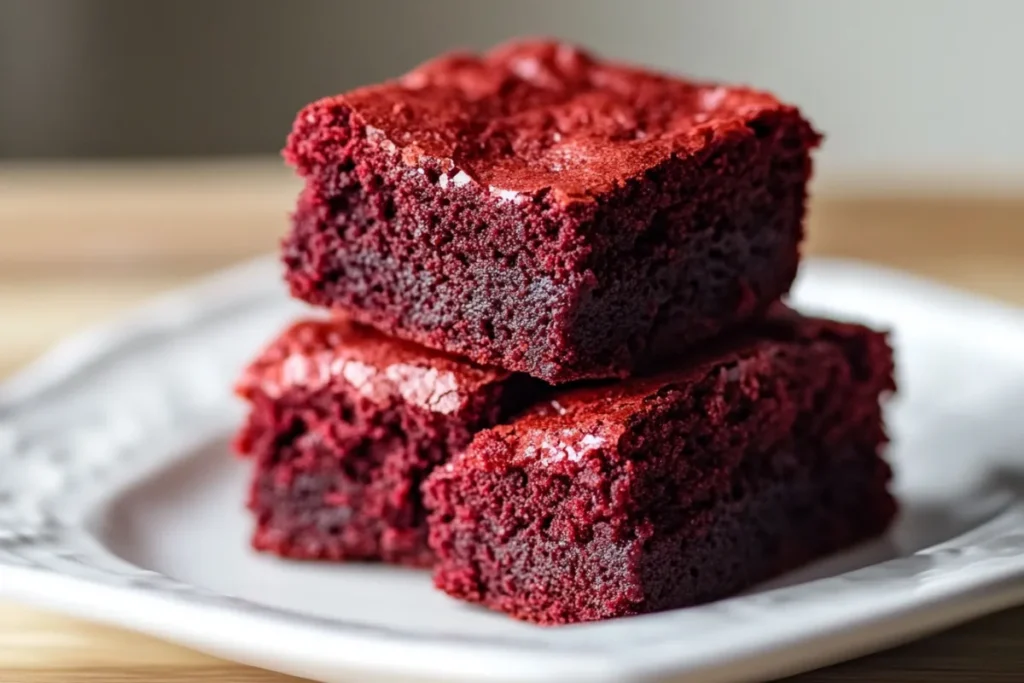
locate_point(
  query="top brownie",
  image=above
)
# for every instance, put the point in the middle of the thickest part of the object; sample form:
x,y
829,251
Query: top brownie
x,y
540,210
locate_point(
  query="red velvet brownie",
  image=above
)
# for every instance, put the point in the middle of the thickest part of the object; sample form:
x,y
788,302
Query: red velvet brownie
x,y
674,489
541,210
344,425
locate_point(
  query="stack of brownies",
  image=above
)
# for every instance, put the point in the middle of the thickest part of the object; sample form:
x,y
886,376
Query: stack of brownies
x,y
556,369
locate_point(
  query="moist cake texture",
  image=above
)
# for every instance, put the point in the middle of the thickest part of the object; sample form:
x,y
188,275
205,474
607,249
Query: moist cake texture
x,y
541,210
344,425
674,489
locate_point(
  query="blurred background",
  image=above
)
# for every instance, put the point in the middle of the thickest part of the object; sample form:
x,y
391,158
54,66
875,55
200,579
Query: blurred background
x,y
139,140
900,86
139,143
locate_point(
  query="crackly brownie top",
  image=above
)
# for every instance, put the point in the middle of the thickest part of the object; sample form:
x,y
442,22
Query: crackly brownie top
x,y
315,354
537,115
562,431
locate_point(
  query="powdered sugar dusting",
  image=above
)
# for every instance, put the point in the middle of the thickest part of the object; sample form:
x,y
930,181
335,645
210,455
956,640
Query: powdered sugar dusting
x,y
572,447
505,195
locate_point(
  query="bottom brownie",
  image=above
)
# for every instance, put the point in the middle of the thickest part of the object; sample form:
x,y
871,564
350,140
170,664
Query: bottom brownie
x,y
344,425
676,489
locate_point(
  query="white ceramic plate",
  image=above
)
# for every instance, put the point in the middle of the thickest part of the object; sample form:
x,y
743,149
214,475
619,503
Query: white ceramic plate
x,y
119,502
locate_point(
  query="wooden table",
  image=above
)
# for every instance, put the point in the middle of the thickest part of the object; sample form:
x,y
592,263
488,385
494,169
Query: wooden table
x,y
79,244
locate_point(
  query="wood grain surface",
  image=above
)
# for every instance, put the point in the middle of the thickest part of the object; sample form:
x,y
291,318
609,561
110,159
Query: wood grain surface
x,y
78,244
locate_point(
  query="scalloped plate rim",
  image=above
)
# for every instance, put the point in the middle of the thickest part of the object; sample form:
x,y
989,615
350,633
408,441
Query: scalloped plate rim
x,y
943,598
